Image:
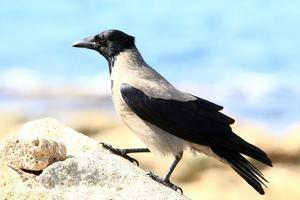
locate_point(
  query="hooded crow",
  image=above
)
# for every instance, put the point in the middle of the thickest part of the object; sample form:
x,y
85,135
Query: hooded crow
x,y
166,119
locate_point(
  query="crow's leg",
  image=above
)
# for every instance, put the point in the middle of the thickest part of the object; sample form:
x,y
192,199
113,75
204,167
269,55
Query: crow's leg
x,y
166,180
124,152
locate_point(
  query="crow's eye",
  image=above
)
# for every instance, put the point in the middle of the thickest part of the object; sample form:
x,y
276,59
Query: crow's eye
x,y
100,39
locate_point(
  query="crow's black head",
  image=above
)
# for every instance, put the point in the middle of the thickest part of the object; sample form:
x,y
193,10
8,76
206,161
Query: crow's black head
x,y
108,43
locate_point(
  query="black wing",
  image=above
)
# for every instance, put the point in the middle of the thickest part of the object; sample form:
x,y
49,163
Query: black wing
x,y
197,121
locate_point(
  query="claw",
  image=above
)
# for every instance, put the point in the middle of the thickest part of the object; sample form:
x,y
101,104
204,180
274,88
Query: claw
x,y
165,182
119,152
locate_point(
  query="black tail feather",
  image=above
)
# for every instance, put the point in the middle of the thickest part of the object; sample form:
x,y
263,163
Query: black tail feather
x,y
243,167
240,145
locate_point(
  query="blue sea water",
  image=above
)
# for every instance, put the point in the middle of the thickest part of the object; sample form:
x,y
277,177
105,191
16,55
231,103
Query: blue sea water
x,y
240,54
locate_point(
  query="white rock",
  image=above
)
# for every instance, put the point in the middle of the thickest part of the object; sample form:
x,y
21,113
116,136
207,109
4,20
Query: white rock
x,y
76,143
89,172
34,155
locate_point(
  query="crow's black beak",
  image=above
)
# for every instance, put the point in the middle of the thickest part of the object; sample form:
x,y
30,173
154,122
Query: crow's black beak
x,y
88,43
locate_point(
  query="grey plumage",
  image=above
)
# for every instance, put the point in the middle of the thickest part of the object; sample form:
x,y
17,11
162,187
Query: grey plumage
x,y
167,120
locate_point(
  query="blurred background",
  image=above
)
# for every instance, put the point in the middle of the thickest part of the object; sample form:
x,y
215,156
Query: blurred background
x,y
239,54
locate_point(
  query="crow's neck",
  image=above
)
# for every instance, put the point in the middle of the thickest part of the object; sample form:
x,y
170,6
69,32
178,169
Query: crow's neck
x,y
129,58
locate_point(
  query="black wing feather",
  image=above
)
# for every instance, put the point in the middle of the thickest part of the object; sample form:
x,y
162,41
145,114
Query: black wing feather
x,y
207,105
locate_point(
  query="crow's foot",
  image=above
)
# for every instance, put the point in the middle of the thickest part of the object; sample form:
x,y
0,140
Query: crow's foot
x,y
120,152
165,182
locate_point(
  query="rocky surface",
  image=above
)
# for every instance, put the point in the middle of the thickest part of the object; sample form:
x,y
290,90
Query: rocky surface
x,y
88,172
31,155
